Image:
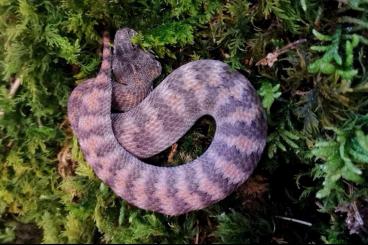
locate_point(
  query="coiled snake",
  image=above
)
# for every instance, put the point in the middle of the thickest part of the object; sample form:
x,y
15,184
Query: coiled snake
x,y
114,142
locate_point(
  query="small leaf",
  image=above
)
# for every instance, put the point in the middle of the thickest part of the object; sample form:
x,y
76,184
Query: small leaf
x,y
362,139
323,193
327,68
269,93
351,176
320,48
321,36
121,214
355,40
314,67
304,5
347,75
337,58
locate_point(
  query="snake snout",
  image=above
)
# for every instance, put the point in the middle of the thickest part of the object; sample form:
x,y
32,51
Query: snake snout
x,y
158,69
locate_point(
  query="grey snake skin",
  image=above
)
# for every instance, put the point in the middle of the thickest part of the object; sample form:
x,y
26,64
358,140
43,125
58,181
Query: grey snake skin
x,y
117,124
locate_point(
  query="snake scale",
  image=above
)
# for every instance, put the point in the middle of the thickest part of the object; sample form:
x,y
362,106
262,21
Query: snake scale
x,y
117,124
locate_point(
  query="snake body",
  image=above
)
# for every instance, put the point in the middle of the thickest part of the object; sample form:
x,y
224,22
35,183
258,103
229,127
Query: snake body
x,y
114,142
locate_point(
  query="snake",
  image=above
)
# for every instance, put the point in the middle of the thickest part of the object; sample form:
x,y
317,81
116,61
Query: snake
x,y
120,119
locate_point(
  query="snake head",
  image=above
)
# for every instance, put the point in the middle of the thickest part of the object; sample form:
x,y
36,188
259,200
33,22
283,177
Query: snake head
x,y
130,63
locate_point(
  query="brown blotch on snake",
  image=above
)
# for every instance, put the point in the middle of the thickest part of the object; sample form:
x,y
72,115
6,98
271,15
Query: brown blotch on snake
x,y
147,122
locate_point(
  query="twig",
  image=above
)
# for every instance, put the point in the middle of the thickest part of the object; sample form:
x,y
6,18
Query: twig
x,y
13,89
301,93
271,58
295,220
357,215
172,153
197,234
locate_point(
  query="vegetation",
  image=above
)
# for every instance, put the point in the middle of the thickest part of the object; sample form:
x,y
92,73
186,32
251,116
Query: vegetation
x,y
308,61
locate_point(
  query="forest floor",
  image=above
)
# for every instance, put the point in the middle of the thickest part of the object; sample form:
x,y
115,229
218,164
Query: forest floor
x,y
308,61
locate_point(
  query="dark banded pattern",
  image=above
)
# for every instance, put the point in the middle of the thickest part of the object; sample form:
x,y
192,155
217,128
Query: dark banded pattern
x,y
115,132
